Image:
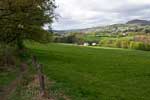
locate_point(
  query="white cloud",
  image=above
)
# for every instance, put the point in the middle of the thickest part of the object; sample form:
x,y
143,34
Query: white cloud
x,y
87,13
139,1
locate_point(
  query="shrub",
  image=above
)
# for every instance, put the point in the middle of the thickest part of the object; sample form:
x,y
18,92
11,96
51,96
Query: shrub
x,y
107,43
122,43
138,45
125,43
118,43
147,47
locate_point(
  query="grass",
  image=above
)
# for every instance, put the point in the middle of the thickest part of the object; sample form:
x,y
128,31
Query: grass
x,y
7,77
86,73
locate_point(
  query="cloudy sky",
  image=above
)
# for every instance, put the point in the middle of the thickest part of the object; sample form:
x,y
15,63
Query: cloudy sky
x,y
74,14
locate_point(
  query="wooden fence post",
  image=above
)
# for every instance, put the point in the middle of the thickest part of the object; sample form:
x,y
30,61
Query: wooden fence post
x,y
40,75
34,61
41,79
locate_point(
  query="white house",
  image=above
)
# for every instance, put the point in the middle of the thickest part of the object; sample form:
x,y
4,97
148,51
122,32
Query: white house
x,y
93,44
86,44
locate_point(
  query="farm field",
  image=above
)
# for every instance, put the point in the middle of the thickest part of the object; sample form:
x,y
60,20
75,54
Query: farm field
x,y
86,73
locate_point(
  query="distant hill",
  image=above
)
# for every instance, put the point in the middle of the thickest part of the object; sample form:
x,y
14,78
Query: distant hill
x,y
133,25
139,22
59,31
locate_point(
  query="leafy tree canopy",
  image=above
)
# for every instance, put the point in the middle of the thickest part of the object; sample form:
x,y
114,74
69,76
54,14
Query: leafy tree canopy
x,y
23,19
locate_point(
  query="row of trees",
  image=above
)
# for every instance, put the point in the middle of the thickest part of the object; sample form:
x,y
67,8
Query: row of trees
x,y
125,43
75,38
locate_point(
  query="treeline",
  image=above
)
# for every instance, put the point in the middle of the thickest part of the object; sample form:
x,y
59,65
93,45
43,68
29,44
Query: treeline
x,y
74,38
138,43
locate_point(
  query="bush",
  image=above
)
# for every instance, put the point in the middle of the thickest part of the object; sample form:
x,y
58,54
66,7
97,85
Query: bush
x,y
139,46
147,47
125,44
122,43
107,43
118,44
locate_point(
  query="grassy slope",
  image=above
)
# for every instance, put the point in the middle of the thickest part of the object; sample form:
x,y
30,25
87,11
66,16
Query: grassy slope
x,y
94,73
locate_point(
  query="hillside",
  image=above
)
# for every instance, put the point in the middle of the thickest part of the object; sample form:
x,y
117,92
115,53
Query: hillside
x,y
139,22
130,26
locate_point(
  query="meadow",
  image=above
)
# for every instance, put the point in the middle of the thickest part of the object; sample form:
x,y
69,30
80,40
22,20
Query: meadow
x,y
85,73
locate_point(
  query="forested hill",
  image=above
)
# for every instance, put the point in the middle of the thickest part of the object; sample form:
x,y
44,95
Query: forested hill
x,y
139,22
133,25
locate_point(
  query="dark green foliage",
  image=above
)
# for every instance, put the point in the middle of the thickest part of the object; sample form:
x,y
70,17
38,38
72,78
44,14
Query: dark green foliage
x,y
140,46
107,43
147,47
135,45
23,19
125,43
8,56
118,44
75,38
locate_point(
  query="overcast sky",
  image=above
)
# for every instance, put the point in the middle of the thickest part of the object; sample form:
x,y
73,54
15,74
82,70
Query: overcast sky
x,y
74,14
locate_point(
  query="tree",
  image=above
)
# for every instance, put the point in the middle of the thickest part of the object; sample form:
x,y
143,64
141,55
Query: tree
x,y
23,19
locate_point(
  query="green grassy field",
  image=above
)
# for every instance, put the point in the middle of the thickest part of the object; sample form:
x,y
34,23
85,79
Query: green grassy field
x,y
86,73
